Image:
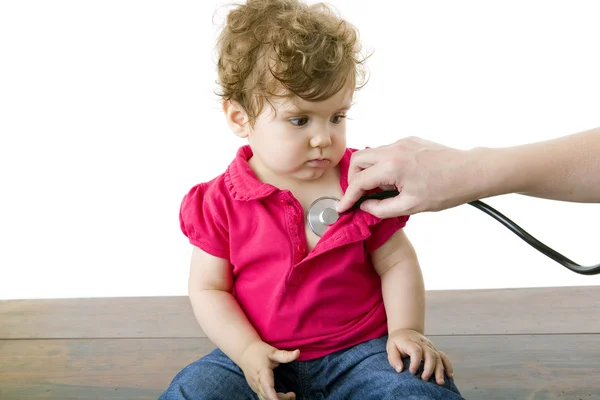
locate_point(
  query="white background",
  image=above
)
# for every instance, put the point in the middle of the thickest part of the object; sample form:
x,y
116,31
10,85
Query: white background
x,y
108,116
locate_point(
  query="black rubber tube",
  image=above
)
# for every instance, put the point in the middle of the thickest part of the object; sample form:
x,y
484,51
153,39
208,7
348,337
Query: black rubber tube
x,y
516,229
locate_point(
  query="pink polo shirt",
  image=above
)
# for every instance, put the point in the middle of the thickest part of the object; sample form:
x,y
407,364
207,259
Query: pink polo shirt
x,y
320,301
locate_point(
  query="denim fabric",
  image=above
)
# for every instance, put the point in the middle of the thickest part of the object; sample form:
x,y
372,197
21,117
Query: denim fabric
x,y
361,372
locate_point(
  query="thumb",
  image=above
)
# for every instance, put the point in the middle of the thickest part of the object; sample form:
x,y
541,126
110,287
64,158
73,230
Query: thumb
x,y
284,356
387,208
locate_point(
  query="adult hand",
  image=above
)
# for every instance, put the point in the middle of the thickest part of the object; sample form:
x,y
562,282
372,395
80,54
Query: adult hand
x,y
258,362
410,343
428,175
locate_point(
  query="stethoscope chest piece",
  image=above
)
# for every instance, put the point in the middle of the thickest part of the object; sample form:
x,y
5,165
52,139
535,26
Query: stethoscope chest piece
x,y
321,214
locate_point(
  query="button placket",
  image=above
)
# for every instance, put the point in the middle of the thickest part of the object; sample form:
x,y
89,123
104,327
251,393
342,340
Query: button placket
x,y
296,231
297,235
290,211
297,218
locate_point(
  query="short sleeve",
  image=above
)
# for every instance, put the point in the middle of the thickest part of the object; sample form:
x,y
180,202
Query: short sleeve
x,y
383,231
201,223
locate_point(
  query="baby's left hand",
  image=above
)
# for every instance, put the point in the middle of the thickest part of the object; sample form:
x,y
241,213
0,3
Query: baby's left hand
x,y
409,343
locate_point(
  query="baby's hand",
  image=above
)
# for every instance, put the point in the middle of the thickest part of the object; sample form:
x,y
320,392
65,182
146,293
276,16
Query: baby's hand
x,y
258,362
406,342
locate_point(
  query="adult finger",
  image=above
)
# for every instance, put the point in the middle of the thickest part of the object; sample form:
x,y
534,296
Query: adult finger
x,y
447,365
402,204
367,179
360,160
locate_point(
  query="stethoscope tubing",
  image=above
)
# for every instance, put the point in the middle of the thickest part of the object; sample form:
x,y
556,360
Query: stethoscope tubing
x,y
516,229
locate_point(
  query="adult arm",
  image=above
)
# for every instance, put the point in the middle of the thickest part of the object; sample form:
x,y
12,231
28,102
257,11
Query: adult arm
x,y
433,177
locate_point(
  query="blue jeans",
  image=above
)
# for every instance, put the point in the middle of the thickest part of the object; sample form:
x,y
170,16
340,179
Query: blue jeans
x,y
360,372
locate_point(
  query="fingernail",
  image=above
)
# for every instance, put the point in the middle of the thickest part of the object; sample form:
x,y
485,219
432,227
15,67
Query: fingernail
x,y
398,368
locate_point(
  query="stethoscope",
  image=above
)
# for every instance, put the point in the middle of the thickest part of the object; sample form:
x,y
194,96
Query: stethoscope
x,y
321,214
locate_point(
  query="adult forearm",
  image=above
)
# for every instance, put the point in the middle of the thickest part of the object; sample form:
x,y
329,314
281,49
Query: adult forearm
x,y
567,168
224,322
404,297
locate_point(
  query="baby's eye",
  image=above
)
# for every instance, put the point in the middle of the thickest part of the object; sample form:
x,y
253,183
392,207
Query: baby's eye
x,y
300,121
336,119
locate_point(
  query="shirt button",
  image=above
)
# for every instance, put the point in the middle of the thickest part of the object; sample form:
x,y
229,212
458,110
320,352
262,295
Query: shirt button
x,y
300,248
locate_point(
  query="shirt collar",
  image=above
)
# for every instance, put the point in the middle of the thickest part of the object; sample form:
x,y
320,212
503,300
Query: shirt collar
x,y
243,184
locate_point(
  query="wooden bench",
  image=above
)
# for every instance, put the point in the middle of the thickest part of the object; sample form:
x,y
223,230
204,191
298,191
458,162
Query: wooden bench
x,y
528,344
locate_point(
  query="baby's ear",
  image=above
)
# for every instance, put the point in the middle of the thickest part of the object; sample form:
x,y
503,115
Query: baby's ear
x,y
237,118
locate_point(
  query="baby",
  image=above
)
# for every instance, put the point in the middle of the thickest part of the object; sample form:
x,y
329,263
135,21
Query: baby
x,y
294,315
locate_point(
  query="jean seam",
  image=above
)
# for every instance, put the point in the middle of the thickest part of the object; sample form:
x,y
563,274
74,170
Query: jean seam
x,y
305,386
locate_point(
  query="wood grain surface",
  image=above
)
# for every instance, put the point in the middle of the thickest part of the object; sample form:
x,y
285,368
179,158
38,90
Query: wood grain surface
x,y
532,344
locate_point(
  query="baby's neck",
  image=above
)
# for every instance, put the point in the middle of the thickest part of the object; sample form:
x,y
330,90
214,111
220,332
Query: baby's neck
x,y
331,178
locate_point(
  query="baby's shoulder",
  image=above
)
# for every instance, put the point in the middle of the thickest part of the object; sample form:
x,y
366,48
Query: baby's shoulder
x,y
209,193
203,217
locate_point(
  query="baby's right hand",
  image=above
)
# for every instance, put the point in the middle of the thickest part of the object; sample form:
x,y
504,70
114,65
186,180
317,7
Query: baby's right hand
x,y
258,362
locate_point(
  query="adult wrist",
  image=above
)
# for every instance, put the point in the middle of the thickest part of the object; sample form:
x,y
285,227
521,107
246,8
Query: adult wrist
x,y
478,178
497,171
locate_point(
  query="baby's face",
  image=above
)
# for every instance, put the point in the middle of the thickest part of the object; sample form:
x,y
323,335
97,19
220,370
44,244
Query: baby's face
x,y
303,140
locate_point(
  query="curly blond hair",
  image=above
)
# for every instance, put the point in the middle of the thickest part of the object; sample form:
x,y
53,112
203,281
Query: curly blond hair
x,y
282,48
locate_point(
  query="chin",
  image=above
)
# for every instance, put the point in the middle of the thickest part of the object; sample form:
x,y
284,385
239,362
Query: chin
x,y
312,175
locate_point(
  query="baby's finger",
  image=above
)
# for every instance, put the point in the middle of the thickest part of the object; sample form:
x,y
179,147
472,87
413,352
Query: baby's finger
x,y
269,393
431,359
287,396
439,371
395,358
416,355
447,365
284,356
267,385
